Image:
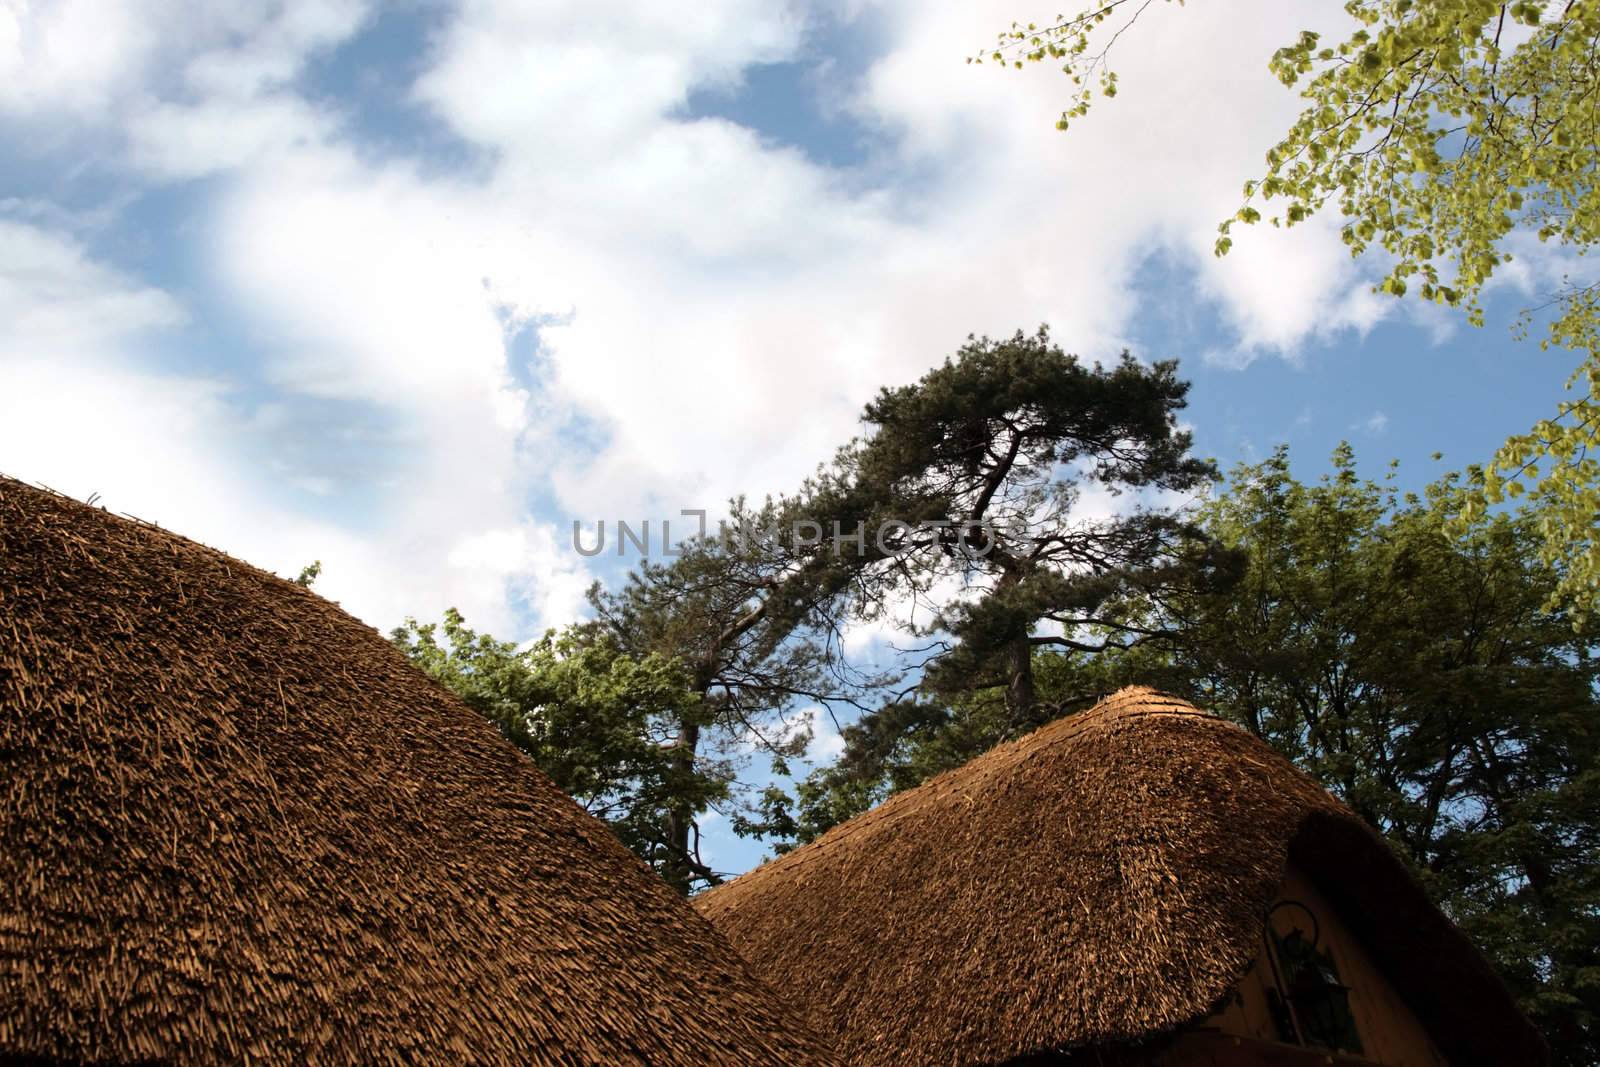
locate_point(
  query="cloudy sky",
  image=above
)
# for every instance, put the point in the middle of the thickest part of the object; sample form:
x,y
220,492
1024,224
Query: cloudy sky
x,y
408,288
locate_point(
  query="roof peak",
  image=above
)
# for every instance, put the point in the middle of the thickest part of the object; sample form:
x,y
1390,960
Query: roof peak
x,y
236,824
1126,703
1100,880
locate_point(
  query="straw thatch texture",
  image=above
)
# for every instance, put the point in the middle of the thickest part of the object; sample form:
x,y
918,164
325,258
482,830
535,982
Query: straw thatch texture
x,y
236,826
1098,881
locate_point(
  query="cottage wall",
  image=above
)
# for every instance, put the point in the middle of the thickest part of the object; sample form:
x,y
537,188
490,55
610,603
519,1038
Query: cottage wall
x,y
1390,1033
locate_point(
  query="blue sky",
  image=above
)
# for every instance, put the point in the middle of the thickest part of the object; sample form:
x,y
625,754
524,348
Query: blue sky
x,y
409,288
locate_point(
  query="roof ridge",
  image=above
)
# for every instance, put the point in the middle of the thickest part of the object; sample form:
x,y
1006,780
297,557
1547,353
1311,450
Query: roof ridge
x,y
148,525
1127,702
1101,880
286,842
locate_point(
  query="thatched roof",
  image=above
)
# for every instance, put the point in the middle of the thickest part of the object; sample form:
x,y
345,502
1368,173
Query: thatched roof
x,y
1098,881
236,826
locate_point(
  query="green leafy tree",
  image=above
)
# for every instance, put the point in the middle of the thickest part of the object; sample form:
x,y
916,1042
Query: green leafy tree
x,y
601,723
965,478
695,666
961,499
1439,130
1399,649
751,615
968,480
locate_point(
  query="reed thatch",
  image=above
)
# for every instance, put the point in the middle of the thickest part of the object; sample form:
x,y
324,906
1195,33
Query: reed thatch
x,y
1100,881
236,826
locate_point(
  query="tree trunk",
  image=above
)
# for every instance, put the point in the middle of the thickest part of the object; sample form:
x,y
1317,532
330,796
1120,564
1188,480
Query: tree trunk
x,y
679,870
1020,694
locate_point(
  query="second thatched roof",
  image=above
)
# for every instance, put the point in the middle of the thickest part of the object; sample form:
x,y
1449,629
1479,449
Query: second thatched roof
x,y
1100,881
236,826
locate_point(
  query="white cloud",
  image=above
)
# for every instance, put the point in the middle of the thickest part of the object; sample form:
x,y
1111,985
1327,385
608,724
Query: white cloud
x,y
537,560
1157,167
1374,424
1279,288
791,305
263,47
826,744
233,106
716,306
83,411
823,744
55,299
69,56
98,60
593,80
181,141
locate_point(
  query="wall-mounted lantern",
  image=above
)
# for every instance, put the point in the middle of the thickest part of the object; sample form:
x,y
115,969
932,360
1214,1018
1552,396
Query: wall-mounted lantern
x,y
1310,1003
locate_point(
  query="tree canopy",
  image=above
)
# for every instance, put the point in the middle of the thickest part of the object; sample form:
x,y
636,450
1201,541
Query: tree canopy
x,y
598,721
752,631
1443,132
1402,648
986,461
959,495
1397,651
958,515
